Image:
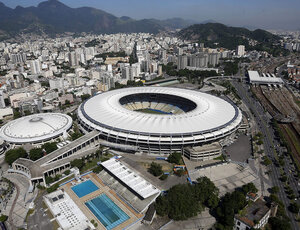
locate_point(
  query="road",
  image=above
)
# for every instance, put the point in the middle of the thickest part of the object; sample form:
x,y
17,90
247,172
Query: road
x,y
11,222
270,144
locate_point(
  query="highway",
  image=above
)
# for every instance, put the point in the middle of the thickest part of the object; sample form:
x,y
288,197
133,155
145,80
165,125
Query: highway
x,y
270,144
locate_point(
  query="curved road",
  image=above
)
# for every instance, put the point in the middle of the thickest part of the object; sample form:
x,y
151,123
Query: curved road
x,y
13,227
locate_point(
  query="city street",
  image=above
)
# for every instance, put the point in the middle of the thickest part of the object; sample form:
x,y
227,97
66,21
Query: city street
x,y
270,144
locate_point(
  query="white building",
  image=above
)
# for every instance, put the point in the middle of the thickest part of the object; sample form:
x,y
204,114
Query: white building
x,y
66,212
35,67
240,50
256,216
2,103
56,83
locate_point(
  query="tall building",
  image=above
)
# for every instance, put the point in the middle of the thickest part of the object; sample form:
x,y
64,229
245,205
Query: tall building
x,y
240,50
18,58
126,72
182,62
180,51
2,102
73,60
35,67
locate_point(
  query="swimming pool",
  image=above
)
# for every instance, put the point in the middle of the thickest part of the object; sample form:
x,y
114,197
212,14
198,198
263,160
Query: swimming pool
x,y
84,188
109,214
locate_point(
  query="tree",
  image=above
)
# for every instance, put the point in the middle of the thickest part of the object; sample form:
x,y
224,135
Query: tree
x,y
3,218
155,169
267,161
206,192
274,190
76,135
230,204
163,177
67,172
279,223
85,97
294,207
98,169
175,157
49,147
14,154
35,154
250,187
283,178
179,203
53,188
77,163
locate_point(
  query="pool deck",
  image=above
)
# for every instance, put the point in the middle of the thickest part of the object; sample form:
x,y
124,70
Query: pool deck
x,y
133,216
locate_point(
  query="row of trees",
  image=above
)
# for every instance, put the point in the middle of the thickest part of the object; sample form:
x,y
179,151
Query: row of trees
x,y
37,153
13,154
34,154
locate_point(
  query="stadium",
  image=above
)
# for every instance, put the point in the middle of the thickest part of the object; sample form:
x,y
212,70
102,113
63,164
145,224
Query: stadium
x,y
158,119
37,128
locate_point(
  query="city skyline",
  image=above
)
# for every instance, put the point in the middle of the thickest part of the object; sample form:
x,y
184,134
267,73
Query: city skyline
x,y
265,14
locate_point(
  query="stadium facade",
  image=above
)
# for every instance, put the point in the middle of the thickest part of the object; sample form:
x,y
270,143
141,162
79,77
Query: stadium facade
x,y
157,119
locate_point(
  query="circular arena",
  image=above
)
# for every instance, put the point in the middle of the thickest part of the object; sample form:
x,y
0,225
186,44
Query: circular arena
x,y
159,119
36,128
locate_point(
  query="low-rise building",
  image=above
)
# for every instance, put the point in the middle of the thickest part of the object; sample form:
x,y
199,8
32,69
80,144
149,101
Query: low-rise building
x,y
66,212
254,216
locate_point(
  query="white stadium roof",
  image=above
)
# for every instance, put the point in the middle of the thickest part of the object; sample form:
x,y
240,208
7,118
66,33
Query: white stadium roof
x,y
130,178
254,77
36,128
212,114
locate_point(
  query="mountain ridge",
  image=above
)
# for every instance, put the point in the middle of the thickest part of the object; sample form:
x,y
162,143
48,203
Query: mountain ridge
x,y
53,16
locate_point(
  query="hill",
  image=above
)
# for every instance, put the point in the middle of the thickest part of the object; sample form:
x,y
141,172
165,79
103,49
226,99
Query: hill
x,y
54,17
228,37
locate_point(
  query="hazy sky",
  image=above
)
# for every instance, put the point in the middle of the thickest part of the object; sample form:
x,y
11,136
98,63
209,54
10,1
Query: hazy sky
x,y
268,14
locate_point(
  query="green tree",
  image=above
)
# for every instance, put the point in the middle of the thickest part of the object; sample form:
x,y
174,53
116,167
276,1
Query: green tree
x,y
274,190
3,218
155,169
14,154
98,169
35,154
179,203
230,204
250,187
85,97
294,207
279,223
77,163
53,188
174,157
267,161
49,147
206,192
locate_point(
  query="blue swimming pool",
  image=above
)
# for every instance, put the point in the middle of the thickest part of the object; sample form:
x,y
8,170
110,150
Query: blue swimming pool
x,y
109,214
84,188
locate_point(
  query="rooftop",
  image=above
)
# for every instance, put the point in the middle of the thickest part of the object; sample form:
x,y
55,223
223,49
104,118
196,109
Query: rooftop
x,y
254,77
36,128
130,178
253,212
66,212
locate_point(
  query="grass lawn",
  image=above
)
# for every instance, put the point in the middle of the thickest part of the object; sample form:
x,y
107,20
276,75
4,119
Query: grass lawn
x,y
66,179
93,162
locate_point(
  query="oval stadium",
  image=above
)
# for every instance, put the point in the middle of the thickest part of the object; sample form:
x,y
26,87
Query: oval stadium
x,y
158,119
36,128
